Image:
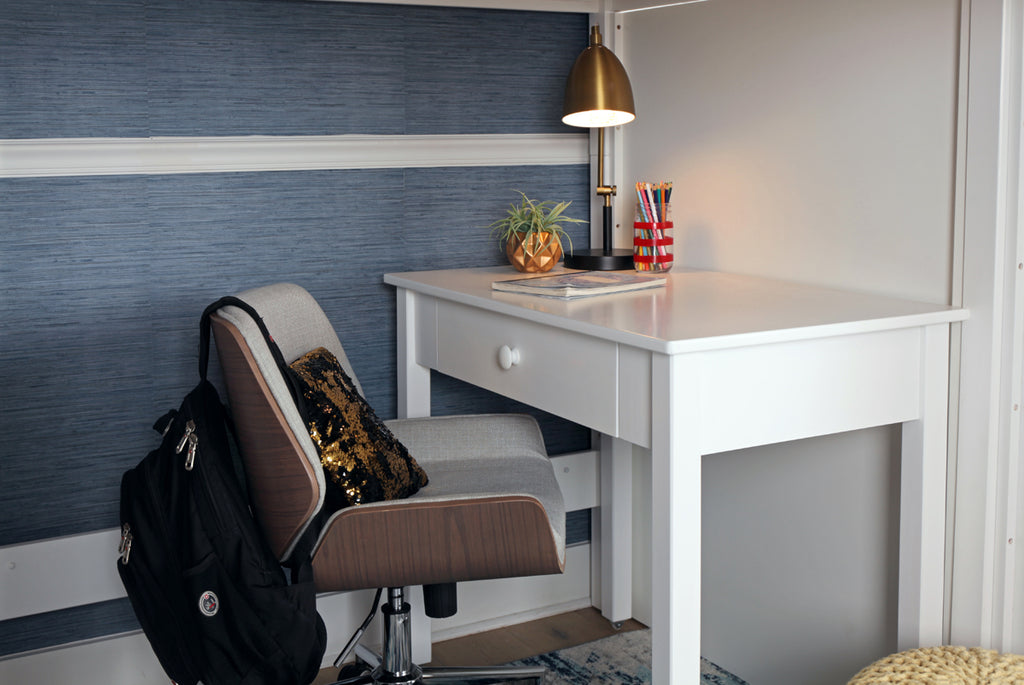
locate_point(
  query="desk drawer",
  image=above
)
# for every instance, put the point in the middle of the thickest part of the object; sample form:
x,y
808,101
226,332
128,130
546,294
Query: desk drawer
x,y
562,372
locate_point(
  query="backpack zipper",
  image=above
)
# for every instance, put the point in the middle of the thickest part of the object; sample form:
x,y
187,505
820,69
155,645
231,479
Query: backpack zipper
x,y
190,438
124,548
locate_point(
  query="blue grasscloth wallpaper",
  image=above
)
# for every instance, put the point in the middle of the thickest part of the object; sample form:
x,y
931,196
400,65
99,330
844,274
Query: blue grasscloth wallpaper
x,y
251,67
103,277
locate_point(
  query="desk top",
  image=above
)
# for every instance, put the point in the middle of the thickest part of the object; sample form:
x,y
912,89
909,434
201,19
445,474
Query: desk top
x,y
696,310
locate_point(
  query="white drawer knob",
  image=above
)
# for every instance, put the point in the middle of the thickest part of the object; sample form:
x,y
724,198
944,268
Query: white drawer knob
x,y
507,357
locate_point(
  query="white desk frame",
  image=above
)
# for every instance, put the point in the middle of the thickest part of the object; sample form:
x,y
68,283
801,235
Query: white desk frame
x,y
711,362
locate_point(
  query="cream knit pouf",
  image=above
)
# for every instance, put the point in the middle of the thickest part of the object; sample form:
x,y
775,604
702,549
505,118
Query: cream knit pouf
x,y
954,665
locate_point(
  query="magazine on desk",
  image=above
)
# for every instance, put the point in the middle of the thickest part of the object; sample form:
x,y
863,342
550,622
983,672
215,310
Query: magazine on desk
x,y
579,284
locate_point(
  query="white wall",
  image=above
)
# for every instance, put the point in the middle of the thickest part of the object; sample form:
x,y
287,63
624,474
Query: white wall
x,y
807,140
811,141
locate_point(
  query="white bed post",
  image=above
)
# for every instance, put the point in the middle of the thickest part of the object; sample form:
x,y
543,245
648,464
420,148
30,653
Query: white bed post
x,y
923,501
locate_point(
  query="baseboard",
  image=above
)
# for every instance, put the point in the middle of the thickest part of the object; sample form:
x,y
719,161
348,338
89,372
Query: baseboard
x,y
508,620
127,659
119,660
489,604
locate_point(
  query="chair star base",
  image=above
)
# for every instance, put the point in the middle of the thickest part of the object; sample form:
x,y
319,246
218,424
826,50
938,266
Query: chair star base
x,y
395,666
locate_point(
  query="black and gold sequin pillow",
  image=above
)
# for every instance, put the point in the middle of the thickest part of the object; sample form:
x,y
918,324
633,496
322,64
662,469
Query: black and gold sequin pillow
x,y
358,452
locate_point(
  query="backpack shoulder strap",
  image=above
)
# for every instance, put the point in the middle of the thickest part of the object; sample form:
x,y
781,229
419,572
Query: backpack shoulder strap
x,y
204,331
275,351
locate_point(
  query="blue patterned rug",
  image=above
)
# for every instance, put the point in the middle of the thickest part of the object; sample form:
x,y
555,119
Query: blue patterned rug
x,y
623,659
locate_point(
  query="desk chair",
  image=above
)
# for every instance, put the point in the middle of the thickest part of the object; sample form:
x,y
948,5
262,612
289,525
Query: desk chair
x,y
491,509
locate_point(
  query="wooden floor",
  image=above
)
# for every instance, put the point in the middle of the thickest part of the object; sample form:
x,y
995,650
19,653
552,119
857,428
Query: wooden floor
x,y
519,641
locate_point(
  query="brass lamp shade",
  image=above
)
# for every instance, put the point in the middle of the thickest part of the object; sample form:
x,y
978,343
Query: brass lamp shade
x,y
597,92
598,95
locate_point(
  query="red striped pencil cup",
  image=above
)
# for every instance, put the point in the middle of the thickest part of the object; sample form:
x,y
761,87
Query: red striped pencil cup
x,y
652,237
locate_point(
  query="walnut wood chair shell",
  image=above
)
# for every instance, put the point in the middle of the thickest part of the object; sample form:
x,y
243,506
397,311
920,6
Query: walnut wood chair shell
x,y
436,542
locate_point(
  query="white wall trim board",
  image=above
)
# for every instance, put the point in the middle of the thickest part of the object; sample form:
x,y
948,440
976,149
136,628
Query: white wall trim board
x,y
590,6
189,155
58,573
1012,600
64,572
627,6
1014,623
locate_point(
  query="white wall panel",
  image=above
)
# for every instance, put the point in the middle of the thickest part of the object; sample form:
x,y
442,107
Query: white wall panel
x,y
810,141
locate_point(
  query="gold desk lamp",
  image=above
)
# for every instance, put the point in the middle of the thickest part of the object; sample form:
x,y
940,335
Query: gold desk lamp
x,y
597,95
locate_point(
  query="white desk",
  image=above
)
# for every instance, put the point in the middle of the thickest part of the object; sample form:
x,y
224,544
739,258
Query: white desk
x,y
710,363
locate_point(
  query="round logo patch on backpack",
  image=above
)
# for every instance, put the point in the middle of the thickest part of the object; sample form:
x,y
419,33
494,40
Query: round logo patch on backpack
x,y
208,603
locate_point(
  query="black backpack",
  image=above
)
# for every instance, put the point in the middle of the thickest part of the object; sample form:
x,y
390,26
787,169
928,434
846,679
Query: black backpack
x,y
211,597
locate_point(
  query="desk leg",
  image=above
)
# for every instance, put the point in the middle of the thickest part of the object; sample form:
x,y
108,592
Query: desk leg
x,y
676,520
413,379
616,529
923,501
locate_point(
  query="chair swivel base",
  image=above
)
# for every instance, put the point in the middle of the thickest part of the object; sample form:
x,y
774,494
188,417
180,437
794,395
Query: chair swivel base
x,y
451,676
395,666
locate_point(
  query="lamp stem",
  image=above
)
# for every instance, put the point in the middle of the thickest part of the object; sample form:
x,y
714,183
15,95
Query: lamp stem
x,y
606,192
607,237
605,258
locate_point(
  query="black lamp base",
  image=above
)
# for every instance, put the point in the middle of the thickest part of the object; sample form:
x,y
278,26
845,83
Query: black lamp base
x,y
596,259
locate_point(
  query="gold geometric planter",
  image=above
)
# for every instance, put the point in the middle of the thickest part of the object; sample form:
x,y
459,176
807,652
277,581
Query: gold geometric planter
x,y
538,254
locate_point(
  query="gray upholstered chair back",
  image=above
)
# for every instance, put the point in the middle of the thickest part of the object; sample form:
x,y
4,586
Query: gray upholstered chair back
x,y
296,321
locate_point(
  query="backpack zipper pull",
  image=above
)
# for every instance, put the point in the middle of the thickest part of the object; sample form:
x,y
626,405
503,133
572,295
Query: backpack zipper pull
x,y
193,444
124,548
189,438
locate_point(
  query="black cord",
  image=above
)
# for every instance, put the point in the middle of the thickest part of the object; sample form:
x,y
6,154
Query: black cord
x,y
359,631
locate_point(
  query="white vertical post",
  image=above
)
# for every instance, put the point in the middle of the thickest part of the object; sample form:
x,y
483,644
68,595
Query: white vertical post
x,y
421,636
616,529
413,379
413,401
922,500
615,165
990,107
676,519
